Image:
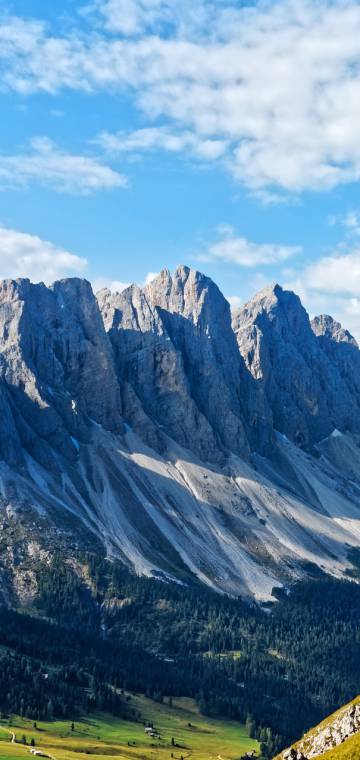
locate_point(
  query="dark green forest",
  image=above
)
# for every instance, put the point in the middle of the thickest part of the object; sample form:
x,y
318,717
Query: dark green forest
x,y
280,669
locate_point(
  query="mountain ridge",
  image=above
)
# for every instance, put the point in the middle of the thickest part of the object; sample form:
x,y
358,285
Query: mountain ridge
x,y
136,421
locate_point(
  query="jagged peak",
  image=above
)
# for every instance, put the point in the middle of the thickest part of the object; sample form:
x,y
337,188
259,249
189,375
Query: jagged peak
x,y
73,287
324,325
24,289
271,289
186,291
273,293
162,279
181,274
183,271
14,281
18,287
273,300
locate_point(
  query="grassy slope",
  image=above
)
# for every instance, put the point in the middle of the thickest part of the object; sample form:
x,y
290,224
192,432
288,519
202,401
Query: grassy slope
x,y
103,736
348,750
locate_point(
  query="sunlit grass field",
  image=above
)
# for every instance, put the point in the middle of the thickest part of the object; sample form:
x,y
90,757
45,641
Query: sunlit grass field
x,y
103,736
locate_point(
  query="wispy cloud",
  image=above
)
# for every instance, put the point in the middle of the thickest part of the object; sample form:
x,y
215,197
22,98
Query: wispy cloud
x,y
273,89
25,255
133,18
58,170
235,249
350,222
152,139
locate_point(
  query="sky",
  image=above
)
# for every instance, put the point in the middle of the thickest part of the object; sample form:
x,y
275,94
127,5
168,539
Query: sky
x,y
225,135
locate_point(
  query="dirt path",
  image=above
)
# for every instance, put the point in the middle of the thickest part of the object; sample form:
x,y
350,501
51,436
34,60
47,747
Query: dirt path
x,y
38,749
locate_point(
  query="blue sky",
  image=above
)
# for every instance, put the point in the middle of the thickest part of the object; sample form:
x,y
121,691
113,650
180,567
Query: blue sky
x,y
139,134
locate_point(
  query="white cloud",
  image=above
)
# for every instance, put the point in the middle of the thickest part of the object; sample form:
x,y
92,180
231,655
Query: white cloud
x,y
51,167
161,138
332,285
338,274
234,249
131,17
115,286
24,255
234,301
150,277
135,17
276,85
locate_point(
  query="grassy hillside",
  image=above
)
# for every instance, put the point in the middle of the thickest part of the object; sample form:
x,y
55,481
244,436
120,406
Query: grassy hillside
x,y
80,643
348,750
103,736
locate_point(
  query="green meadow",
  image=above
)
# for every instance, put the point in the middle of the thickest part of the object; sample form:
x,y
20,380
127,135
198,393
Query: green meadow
x,y
183,732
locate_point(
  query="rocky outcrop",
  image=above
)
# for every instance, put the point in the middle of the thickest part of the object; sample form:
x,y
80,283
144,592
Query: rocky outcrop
x,y
294,369
328,735
293,754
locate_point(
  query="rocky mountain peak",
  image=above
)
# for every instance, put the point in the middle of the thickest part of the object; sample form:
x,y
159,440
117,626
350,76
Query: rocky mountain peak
x,y
282,308
324,325
189,293
308,397
180,325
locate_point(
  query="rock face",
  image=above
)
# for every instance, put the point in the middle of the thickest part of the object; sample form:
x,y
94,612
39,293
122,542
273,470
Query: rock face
x,y
175,348
306,378
328,735
143,423
343,353
56,369
325,326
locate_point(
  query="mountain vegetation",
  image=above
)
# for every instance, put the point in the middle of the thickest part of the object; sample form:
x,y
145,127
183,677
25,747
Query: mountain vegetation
x,y
86,643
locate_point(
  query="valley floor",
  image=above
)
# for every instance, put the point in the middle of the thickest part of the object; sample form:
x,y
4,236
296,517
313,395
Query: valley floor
x,y
104,736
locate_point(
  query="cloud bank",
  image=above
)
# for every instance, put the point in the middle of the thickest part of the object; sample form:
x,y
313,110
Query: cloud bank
x,y
273,88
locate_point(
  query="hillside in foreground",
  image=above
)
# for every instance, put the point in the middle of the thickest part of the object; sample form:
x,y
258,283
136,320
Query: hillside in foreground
x,y
180,731
335,738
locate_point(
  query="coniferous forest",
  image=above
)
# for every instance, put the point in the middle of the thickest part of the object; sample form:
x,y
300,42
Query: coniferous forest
x,y
84,645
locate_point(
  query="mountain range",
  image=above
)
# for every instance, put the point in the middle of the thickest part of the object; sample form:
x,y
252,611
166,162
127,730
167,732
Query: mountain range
x,y
192,444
